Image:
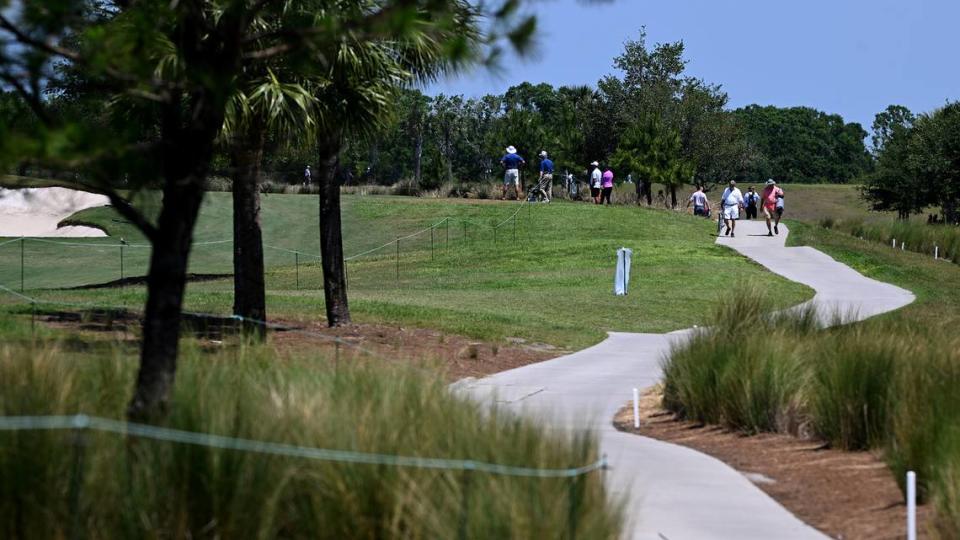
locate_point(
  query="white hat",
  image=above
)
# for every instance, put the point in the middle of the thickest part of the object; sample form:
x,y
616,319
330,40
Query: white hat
x,y
771,182
543,153
511,150
594,164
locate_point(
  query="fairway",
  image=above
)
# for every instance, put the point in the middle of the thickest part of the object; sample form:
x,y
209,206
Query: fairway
x,y
549,279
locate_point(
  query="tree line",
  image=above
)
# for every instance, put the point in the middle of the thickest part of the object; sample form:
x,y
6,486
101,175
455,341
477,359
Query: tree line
x,y
650,119
917,162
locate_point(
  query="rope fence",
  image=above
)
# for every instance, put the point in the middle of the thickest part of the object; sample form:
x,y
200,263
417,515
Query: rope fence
x,y
124,265
145,431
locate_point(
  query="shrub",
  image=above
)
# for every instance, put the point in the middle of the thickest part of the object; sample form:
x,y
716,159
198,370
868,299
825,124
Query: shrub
x,y
852,385
109,487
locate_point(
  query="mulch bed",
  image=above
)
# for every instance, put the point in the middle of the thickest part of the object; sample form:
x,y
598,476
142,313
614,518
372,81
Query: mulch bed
x,y
456,356
847,495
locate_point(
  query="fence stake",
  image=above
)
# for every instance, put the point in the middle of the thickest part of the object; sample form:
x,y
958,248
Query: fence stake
x,y
894,243
911,505
936,252
296,263
76,481
636,408
574,507
903,246
398,258
21,264
465,505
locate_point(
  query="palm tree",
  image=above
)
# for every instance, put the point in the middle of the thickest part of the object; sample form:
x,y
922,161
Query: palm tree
x,y
356,95
264,105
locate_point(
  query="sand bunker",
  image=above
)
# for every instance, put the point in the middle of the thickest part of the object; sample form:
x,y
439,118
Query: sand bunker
x,y
37,211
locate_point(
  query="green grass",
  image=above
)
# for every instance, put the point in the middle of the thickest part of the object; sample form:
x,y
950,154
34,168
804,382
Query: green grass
x,y
552,284
110,486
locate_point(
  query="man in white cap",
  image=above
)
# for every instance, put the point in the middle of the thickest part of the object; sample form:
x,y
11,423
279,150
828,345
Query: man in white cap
x,y
772,199
596,182
730,204
512,163
546,174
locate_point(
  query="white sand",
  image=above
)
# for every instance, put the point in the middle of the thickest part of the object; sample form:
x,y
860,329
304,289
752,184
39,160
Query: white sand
x,y
36,211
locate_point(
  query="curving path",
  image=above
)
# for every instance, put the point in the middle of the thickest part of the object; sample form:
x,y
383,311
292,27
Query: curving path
x,y
673,492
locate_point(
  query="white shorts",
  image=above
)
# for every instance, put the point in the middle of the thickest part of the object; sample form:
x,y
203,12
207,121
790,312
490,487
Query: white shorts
x,y
512,176
731,212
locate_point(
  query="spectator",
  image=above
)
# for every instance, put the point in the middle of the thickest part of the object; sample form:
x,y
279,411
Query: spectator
x,y
750,201
546,174
701,206
511,164
596,181
607,186
730,203
772,197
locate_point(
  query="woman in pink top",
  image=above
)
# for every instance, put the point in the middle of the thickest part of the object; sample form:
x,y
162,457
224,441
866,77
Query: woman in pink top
x,y
768,197
607,186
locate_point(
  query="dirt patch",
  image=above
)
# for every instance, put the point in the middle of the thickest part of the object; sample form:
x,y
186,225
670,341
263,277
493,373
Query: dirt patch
x,y
849,495
457,356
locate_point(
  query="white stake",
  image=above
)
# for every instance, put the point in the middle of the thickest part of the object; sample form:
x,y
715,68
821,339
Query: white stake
x,y
903,246
636,408
894,243
911,505
936,252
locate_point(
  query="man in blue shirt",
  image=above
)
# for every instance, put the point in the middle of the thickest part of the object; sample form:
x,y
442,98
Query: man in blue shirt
x,y
512,163
546,174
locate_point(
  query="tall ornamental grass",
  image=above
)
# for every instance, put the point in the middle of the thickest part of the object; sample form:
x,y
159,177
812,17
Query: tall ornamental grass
x,y
882,386
918,236
57,484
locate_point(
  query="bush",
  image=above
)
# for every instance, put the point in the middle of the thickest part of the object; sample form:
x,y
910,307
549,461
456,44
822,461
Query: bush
x,y
109,487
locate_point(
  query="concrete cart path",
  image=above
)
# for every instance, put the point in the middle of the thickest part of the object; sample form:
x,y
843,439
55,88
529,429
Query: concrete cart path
x,y
673,492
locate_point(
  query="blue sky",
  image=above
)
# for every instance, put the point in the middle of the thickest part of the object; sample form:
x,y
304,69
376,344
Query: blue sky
x,y
851,57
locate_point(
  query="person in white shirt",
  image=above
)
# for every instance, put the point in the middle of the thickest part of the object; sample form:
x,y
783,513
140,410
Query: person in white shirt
x,y
307,176
596,181
701,206
730,204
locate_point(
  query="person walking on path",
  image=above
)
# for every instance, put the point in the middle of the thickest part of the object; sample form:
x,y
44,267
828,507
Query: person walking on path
x,y
701,206
511,163
546,174
606,186
730,203
772,197
751,200
596,181
307,177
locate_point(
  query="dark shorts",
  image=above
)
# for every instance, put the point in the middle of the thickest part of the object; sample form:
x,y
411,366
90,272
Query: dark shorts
x,y
779,212
699,211
594,192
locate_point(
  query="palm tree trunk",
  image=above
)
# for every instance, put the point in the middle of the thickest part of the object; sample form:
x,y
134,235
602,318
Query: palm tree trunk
x,y
166,282
331,234
249,298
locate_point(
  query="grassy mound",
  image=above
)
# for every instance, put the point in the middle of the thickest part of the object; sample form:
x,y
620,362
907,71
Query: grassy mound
x,y
546,276
100,485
